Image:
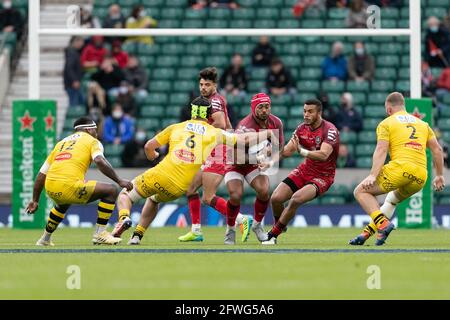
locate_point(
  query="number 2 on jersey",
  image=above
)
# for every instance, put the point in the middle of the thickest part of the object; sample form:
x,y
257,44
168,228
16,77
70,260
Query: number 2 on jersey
x,y
413,133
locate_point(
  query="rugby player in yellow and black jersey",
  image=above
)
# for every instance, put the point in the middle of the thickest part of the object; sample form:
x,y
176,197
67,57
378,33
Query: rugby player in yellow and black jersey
x,y
406,138
190,143
63,176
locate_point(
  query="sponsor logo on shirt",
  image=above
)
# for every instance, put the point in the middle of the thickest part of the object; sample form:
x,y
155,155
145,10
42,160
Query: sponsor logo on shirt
x,y
185,155
406,118
414,145
196,128
63,156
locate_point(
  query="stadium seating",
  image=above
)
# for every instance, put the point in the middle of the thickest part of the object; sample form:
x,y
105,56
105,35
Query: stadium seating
x,y
173,64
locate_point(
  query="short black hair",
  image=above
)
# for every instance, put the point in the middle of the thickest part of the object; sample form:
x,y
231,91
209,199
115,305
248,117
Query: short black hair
x,y
82,120
209,73
315,102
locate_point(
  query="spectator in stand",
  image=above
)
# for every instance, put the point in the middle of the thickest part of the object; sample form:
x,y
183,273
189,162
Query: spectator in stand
x,y
106,80
126,99
120,56
114,19
11,19
428,81
348,119
93,54
437,44
133,155
73,72
87,20
234,79
137,78
334,67
140,19
361,65
345,158
357,15
279,80
443,83
336,3
263,53
118,128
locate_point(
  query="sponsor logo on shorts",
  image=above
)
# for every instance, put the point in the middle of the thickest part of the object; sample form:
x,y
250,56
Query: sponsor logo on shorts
x,y
63,156
82,193
319,181
414,145
162,190
413,177
54,194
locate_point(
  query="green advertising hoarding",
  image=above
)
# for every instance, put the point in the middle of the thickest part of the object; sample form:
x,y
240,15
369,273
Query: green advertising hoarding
x,y
417,211
34,135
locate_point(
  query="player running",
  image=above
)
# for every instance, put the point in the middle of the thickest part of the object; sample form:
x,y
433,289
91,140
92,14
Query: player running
x,y
406,138
259,118
213,171
190,143
63,176
318,141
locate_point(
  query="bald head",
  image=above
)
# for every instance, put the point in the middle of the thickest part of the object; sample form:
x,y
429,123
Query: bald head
x,y
394,103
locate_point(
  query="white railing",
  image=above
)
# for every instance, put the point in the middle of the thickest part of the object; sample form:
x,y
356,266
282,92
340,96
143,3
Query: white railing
x,y
4,74
414,33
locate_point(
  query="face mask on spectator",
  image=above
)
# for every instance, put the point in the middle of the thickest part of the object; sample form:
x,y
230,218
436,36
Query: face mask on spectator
x,y
360,51
142,14
115,16
123,90
117,114
434,29
7,4
140,136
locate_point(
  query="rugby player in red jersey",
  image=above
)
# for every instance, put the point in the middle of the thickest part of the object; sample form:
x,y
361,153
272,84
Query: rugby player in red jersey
x,y
213,171
318,141
260,118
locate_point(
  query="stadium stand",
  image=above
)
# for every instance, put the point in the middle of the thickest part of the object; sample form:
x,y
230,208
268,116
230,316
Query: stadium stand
x,y
172,64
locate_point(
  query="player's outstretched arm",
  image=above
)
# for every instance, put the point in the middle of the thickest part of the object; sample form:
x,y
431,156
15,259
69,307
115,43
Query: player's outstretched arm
x,y
150,149
105,167
438,161
37,189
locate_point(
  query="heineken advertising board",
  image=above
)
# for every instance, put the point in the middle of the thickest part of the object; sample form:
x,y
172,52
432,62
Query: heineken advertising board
x,y
34,135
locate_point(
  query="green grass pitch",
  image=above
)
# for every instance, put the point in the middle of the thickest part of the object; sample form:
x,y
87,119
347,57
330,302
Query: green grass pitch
x,y
323,267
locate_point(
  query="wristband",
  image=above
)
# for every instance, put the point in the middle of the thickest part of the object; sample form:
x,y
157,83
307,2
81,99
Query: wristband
x,y
303,152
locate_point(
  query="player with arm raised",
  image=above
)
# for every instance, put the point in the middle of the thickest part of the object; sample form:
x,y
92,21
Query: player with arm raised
x,y
406,138
318,141
190,143
260,118
63,176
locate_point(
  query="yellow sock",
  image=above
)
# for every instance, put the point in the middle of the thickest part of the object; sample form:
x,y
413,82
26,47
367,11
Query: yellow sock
x,y
123,213
139,231
378,218
371,228
104,211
